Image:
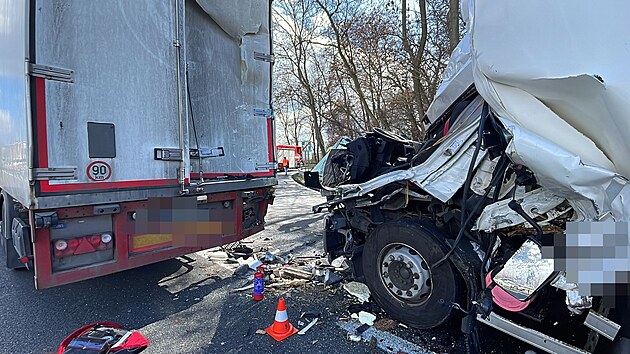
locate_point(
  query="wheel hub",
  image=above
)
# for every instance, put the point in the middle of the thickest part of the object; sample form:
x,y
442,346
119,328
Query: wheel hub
x,y
404,272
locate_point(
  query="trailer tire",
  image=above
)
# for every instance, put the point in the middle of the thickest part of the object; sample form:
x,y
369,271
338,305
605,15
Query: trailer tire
x,y
6,215
396,261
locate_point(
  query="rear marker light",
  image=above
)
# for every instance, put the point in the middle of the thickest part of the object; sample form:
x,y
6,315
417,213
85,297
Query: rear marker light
x,y
106,238
61,245
95,240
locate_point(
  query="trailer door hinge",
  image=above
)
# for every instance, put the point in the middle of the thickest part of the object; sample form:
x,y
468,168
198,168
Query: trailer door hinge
x,y
166,154
263,112
53,173
270,58
266,166
51,73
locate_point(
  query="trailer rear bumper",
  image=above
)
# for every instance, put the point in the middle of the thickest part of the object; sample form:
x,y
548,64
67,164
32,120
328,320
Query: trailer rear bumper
x,y
228,217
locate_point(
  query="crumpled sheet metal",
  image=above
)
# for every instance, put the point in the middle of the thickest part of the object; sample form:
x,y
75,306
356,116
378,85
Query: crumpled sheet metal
x,y
566,175
498,215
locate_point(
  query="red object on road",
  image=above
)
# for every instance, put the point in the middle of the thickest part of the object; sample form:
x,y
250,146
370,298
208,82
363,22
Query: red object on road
x,y
259,285
281,327
105,338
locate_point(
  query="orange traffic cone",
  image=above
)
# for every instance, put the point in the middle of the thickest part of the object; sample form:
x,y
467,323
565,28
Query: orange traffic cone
x,y
281,328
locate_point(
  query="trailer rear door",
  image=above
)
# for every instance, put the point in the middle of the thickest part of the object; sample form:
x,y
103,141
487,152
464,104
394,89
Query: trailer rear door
x,y
122,102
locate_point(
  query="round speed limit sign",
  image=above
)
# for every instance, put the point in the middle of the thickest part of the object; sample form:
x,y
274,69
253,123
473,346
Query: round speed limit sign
x,y
99,171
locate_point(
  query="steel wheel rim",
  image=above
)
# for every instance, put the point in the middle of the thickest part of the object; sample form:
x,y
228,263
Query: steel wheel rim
x,y
404,273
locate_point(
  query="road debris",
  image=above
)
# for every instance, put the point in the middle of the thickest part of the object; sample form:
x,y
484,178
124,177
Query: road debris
x,y
246,287
354,337
308,326
358,290
385,324
366,318
261,331
218,256
384,340
104,337
288,284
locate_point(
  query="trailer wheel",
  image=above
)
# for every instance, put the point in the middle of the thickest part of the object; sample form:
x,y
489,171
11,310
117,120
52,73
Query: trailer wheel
x,y
6,242
396,263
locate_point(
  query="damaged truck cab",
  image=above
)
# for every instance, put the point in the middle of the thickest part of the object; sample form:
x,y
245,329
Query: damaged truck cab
x,y
512,211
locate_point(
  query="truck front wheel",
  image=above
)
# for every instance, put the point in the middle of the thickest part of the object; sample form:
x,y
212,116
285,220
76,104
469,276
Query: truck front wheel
x,y
397,259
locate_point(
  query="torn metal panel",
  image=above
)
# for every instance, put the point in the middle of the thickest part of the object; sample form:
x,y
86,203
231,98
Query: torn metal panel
x,y
499,216
361,189
566,175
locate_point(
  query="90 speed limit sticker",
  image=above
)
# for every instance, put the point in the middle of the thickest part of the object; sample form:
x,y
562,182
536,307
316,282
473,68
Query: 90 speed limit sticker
x,y
99,171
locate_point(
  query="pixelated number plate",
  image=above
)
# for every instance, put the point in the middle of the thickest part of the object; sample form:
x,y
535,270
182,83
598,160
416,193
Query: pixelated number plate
x,y
99,171
150,241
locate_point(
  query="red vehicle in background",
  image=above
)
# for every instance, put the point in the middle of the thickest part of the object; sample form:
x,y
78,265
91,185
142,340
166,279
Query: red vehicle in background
x,y
293,153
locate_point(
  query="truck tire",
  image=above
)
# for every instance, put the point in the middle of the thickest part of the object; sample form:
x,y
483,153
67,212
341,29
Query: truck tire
x,y
7,214
396,263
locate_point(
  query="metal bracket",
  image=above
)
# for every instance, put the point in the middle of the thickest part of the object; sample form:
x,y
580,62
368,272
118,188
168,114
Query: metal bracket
x,y
207,152
51,73
602,325
263,112
269,58
106,209
46,220
53,173
167,154
529,336
266,166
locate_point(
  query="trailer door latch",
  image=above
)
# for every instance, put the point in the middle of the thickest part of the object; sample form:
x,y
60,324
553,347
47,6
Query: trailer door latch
x,y
166,154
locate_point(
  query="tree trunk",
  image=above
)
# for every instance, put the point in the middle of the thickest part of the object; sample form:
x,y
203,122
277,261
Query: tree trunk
x,y
452,24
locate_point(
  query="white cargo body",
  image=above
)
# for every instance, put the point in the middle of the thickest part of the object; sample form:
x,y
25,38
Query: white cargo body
x,y
106,102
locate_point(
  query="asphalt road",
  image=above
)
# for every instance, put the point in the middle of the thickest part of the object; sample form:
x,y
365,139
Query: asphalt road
x,y
185,305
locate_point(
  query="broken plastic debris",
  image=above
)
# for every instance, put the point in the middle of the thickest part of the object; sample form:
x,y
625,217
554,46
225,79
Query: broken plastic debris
x,y
218,256
308,326
261,331
246,287
354,337
241,270
251,262
358,290
366,318
338,262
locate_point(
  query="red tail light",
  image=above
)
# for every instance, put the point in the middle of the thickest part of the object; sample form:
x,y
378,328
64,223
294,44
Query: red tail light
x,y
80,245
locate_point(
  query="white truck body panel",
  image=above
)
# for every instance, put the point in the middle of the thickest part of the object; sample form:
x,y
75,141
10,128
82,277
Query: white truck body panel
x,y
14,99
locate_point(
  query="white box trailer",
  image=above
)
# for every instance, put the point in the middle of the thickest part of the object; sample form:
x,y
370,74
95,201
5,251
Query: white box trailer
x,y
117,115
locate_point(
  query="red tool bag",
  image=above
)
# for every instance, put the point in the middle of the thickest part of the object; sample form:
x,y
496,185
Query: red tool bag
x,y
103,338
